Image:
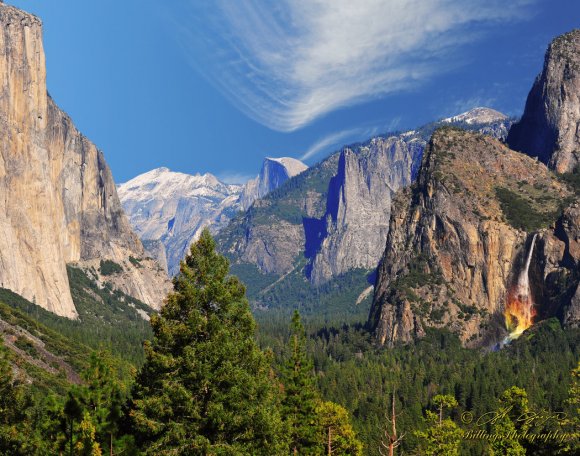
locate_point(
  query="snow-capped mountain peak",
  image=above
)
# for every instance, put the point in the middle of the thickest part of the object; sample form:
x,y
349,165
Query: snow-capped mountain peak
x,y
172,208
478,115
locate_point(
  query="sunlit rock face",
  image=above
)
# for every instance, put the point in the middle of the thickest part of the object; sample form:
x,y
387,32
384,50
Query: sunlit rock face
x,y
60,203
274,172
452,256
171,209
550,126
358,206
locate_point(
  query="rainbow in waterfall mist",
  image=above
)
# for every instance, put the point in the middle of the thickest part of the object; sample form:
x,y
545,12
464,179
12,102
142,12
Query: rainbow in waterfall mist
x,y
519,310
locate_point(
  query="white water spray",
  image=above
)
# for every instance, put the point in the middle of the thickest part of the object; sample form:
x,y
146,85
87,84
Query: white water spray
x,y
519,313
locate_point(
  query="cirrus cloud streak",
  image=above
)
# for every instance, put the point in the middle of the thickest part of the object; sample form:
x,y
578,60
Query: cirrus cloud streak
x,y
287,63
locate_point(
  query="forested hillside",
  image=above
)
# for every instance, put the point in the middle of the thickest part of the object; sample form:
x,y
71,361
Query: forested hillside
x,y
307,387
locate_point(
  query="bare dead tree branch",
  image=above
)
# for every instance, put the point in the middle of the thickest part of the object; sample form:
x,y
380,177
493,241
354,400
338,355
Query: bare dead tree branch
x,y
392,439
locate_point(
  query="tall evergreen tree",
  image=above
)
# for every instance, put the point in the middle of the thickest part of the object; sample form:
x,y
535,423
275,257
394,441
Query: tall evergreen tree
x,y
513,405
205,387
102,397
573,421
73,412
86,444
443,437
338,436
300,398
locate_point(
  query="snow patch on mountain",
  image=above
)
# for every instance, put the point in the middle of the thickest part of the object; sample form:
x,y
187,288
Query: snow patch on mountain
x,y
477,116
173,208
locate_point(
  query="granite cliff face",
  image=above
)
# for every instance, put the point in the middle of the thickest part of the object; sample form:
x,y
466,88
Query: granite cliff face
x,y
274,172
32,260
458,239
358,205
558,268
270,234
171,209
334,217
550,126
60,203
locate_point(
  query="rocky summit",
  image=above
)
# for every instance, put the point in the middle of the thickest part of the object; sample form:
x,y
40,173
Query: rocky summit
x,y
550,126
274,172
334,217
59,202
459,238
169,210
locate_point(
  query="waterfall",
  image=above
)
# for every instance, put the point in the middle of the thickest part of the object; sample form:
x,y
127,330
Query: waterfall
x,y
524,279
520,312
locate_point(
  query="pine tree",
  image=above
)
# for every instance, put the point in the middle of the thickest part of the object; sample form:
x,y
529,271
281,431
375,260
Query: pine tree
x,y
205,387
86,444
573,421
443,401
337,434
443,437
300,396
513,405
102,397
73,412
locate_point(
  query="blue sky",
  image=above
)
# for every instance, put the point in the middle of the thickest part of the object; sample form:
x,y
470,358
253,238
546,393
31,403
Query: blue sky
x,y
216,86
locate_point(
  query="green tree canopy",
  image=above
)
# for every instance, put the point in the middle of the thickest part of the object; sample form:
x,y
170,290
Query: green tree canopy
x,y
205,387
443,436
513,405
11,403
574,420
300,395
337,433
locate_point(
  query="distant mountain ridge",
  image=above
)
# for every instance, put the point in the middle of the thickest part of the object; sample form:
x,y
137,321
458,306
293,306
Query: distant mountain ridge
x,y
477,116
333,218
168,210
324,221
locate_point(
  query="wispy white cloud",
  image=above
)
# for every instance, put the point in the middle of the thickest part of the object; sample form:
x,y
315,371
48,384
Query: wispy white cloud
x,y
465,104
289,62
233,177
328,141
340,138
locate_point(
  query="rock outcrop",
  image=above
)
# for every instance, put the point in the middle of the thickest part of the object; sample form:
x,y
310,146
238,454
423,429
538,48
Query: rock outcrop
x,y
60,203
173,208
459,236
274,172
558,269
550,126
358,205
